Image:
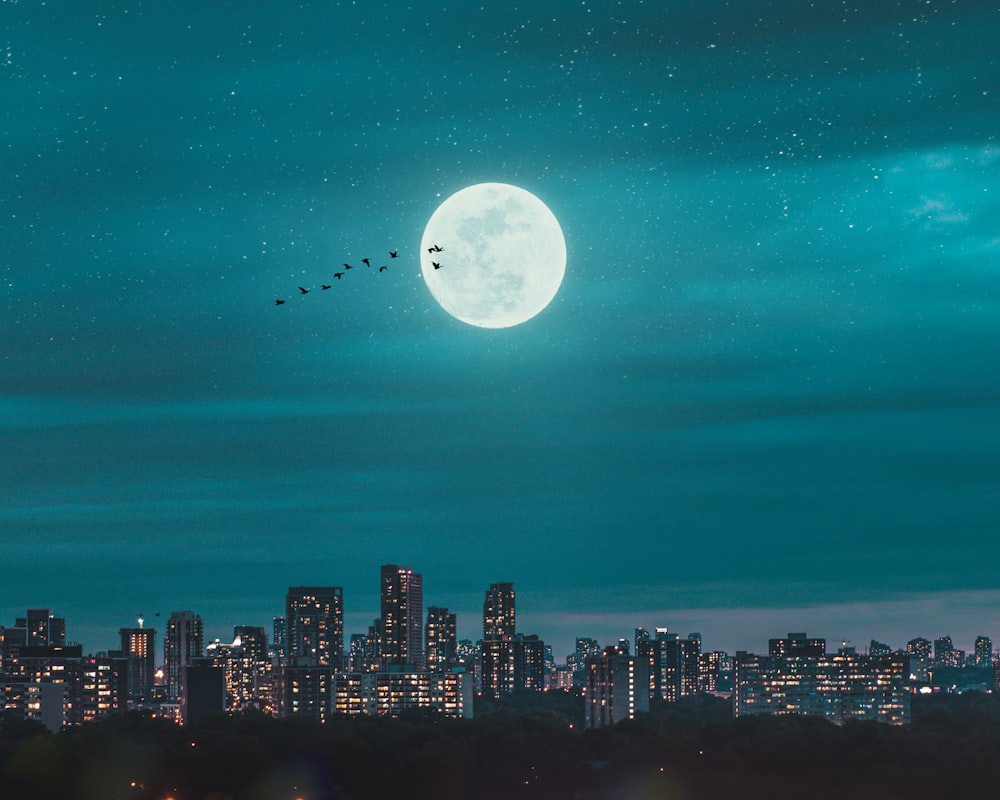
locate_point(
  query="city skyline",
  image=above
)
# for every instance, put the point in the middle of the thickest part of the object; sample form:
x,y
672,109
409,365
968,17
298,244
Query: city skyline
x,y
762,399
470,627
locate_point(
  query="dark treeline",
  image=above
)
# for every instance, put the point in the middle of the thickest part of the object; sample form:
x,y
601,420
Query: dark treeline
x,y
524,747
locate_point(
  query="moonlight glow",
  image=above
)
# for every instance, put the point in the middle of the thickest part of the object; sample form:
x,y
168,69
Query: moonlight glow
x,y
503,255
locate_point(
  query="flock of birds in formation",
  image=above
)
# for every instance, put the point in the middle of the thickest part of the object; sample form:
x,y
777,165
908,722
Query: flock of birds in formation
x,y
339,275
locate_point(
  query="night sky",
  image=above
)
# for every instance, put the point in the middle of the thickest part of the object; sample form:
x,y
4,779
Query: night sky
x,y
766,397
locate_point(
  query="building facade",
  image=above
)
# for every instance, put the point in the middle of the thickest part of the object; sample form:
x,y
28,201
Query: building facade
x,y
402,602
184,642
616,688
805,681
400,690
247,670
441,638
138,647
499,614
314,626
674,664
59,686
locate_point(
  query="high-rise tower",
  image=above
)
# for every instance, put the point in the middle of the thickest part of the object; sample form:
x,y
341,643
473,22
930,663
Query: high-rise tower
x,y
139,650
183,643
441,638
498,612
42,628
402,592
314,626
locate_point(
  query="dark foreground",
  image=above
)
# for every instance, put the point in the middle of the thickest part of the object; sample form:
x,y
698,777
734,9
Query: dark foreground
x,y
522,750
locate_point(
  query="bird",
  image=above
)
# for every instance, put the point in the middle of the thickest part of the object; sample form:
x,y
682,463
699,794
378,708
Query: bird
x,y
435,265
347,266
392,254
304,291
366,262
325,286
279,302
435,249
382,269
338,275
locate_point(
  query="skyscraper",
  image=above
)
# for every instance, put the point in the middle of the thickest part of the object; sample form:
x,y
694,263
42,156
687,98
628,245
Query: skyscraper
x,y
183,643
279,639
139,650
498,612
529,662
314,626
497,658
918,648
402,616
42,628
984,651
441,638
690,655
509,661
246,669
616,688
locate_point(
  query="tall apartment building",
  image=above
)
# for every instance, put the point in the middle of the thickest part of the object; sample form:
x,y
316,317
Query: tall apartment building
x,y
529,662
279,640
616,688
509,661
314,626
984,651
308,692
247,672
945,653
441,639
498,612
42,628
586,646
919,652
402,601
674,663
510,665
139,650
497,670
184,641
710,672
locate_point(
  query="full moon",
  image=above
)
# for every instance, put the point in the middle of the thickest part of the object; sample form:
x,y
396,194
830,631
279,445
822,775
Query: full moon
x,y
502,255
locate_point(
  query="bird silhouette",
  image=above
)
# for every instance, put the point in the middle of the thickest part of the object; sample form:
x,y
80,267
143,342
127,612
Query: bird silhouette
x,y
435,249
366,261
435,265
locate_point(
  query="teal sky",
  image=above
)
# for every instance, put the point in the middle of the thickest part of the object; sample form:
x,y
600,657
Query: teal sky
x,y
765,398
